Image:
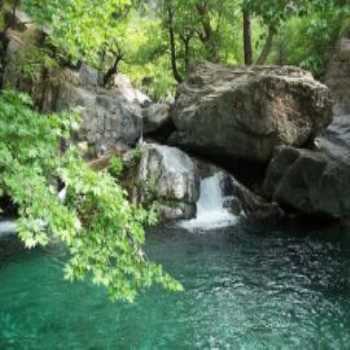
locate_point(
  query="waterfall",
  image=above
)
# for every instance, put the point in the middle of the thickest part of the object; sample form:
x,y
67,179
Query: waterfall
x,y
7,227
211,212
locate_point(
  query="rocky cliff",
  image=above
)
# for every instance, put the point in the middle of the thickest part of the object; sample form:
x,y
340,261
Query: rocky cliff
x,y
245,112
278,118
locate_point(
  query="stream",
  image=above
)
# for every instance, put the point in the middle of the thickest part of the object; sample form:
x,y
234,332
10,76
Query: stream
x,y
246,287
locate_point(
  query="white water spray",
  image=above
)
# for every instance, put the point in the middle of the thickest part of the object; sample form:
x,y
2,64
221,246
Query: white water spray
x,y
211,212
7,227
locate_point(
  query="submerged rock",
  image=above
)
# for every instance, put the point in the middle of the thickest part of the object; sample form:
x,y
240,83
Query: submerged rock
x,y
245,112
168,176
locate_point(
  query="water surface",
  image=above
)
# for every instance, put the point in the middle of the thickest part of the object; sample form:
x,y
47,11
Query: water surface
x,y
247,287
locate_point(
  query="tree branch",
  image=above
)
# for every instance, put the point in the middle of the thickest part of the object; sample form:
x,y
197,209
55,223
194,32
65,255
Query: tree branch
x,y
267,48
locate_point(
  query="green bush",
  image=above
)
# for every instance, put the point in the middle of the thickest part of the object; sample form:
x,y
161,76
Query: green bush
x,y
309,41
103,232
116,167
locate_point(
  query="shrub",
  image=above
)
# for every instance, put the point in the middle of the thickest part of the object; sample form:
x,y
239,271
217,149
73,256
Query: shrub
x,y
103,232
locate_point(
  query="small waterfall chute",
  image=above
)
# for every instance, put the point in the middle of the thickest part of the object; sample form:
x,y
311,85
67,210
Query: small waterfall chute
x,y
211,212
7,227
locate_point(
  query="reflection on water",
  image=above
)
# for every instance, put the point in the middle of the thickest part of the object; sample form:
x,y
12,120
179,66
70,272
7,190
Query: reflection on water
x,y
246,288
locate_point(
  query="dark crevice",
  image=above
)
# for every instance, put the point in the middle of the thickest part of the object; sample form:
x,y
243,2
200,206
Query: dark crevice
x,y
250,174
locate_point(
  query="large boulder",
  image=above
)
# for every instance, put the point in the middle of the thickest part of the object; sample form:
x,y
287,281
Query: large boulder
x,y
168,176
245,112
314,182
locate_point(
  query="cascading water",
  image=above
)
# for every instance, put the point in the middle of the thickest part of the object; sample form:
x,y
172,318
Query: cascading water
x,y
211,212
7,227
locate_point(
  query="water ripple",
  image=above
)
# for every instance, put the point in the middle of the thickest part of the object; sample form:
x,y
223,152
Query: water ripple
x,y
246,288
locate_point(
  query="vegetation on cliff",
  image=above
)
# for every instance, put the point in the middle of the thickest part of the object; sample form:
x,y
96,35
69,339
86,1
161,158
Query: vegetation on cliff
x,y
102,230
155,42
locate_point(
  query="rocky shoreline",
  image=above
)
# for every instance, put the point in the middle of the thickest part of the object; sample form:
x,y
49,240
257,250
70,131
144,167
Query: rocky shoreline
x,y
225,119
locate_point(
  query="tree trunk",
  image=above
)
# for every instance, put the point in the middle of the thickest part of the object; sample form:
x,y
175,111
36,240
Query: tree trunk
x,y
112,70
172,44
187,56
267,48
186,39
15,5
247,38
207,36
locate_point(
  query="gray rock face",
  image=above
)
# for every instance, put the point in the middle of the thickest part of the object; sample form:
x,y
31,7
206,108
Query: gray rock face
x,y
123,86
314,181
109,116
318,181
170,177
245,112
156,117
338,76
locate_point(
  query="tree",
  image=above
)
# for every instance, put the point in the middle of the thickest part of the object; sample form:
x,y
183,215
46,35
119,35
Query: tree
x,y
88,30
274,13
172,41
102,231
207,33
247,38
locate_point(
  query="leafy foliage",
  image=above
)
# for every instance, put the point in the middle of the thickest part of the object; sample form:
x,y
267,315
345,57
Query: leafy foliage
x,y
84,29
102,231
116,167
135,34
309,41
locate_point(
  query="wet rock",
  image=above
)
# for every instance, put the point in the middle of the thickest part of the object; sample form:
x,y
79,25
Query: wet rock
x,y
245,112
168,176
251,205
238,199
314,182
233,205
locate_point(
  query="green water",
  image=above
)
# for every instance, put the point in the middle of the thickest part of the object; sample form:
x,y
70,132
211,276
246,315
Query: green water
x,y
246,288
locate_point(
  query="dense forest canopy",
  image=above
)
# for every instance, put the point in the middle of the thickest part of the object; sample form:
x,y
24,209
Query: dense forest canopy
x,y
155,42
